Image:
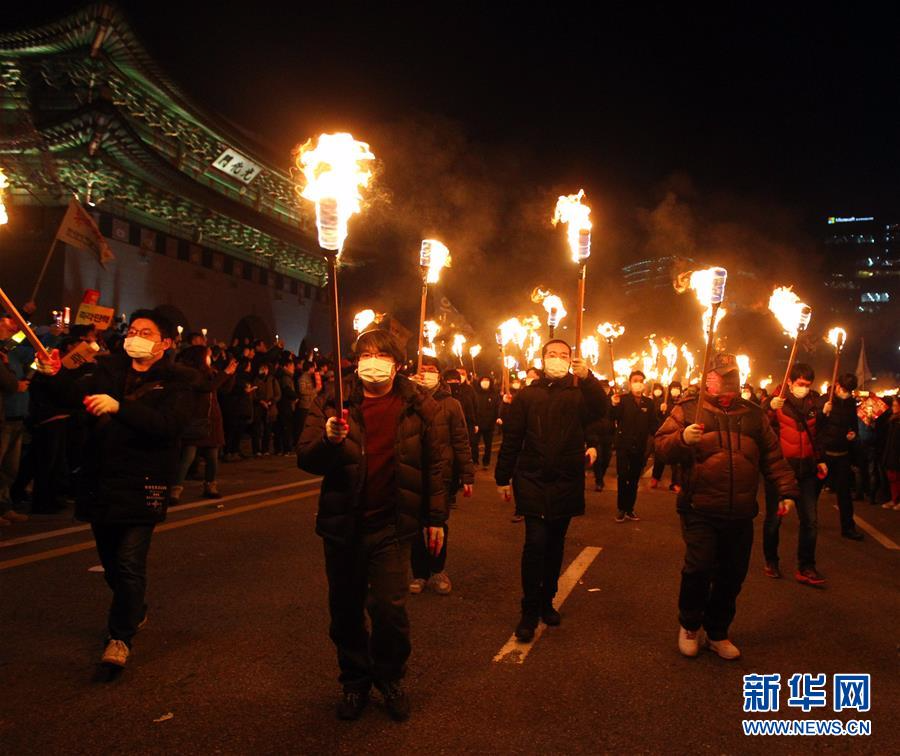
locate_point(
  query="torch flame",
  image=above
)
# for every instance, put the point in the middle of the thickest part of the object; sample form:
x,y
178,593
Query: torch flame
x,y
434,257
335,169
743,362
576,216
765,382
688,360
793,314
610,331
707,314
474,351
458,341
510,362
837,337
432,329
670,353
4,216
590,349
363,319
555,310
512,332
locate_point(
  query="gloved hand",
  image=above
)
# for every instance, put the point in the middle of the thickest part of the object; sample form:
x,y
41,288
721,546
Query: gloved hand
x,y
590,457
580,368
434,539
505,492
826,408
693,433
336,429
101,404
777,403
615,399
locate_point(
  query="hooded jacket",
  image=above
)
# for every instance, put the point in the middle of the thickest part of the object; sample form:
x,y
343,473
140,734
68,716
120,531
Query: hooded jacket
x,y
544,441
419,458
721,473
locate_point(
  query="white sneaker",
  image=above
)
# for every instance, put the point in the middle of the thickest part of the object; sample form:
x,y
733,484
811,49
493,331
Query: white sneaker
x,y
116,653
688,642
725,649
888,505
440,583
417,585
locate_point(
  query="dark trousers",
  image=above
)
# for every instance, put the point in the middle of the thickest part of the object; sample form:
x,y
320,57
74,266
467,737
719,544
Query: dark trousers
x,y
542,558
190,454
717,555
48,445
424,565
299,421
234,431
629,466
604,455
123,553
486,434
839,480
369,574
659,468
260,432
807,511
284,431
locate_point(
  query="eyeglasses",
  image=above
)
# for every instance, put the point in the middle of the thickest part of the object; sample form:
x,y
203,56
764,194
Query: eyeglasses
x,y
144,333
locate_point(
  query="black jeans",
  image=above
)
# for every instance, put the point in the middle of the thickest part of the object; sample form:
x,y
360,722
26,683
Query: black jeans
x,y
48,445
716,559
659,468
123,552
260,431
284,430
486,434
807,511
424,565
629,466
839,480
604,455
369,574
542,558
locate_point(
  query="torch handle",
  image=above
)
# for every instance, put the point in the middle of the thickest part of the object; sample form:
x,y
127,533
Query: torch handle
x,y
612,365
579,313
790,366
422,310
39,348
336,334
709,347
504,376
834,373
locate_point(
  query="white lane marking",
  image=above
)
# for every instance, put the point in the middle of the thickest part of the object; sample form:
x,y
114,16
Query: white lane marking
x,y
874,532
177,508
515,652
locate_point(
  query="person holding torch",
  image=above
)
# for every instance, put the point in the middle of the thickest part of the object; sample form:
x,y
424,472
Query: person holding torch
x,y
723,448
383,471
543,456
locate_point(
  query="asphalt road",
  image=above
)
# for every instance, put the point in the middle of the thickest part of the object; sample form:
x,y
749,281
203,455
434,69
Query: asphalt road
x,y
236,657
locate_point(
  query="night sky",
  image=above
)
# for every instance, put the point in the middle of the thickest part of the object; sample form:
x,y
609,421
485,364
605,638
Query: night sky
x,y
695,130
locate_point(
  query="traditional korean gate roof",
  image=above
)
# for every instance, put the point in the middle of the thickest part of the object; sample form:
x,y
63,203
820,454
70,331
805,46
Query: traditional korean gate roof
x,y
85,110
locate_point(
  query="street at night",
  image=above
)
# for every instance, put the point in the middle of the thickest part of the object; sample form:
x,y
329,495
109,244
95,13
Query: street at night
x,y
236,647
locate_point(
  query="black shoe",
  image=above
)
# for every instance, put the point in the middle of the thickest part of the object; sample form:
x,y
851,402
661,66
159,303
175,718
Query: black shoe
x,y
551,617
352,703
526,627
853,535
395,701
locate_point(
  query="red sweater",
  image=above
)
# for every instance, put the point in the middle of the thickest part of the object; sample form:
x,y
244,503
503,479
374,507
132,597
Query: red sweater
x,y
381,416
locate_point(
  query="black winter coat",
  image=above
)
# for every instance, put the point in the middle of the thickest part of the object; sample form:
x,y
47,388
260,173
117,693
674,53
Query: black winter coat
x,y
721,473
453,437
465,395
131,457
832,429
419,458
636,422
487,407
544,444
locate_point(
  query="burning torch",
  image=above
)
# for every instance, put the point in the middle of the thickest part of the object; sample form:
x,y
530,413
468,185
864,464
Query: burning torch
x,y
335,168
433,257
510,332
474,351
837,337
4,183
794,317
709,286
458,341
576,216
362,320
610,332
555,312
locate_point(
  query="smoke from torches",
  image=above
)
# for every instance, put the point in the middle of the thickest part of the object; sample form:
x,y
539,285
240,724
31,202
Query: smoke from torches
x,y
335,169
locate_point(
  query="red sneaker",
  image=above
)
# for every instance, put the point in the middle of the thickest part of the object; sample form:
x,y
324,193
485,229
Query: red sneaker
x,y
771,570
654,483
809,577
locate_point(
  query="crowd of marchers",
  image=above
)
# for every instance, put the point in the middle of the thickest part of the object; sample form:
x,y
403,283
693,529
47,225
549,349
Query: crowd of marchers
x,y
405,442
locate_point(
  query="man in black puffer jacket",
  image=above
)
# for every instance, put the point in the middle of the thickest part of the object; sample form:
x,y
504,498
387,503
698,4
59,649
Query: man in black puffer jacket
x,y
543,454
838,426
383,470
141,403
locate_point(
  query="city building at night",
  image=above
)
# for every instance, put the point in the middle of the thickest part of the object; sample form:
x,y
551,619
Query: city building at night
x,y
201,220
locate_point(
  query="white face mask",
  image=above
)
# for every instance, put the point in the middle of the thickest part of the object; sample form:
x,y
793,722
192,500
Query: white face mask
x,y
657,392
430,380
841,394
375,370
637,388
529,381
800,392
746,395
675,392
485,385
139,348
556,367
516,386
